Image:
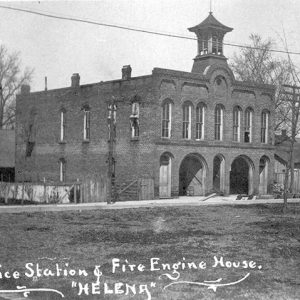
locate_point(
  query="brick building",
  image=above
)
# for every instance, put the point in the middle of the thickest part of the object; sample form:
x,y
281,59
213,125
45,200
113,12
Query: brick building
x,y
189,132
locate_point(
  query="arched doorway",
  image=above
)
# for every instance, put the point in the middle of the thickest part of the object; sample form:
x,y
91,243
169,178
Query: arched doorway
x,y
192,174
241,176
263,175
219,174
165,173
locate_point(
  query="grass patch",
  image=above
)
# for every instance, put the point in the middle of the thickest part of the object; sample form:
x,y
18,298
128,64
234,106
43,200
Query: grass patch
x,y
88,238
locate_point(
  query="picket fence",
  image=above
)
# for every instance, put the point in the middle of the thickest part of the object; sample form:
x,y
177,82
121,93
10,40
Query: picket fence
x,y
89,190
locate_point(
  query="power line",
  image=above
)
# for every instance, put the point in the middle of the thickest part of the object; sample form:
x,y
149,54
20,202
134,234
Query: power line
x,y
44,14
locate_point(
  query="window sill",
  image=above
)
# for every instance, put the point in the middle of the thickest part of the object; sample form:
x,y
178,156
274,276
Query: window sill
x,y
85,141
136,138
62,142
165,138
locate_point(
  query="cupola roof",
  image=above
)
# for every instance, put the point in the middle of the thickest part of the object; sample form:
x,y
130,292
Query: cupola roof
x,y
210,23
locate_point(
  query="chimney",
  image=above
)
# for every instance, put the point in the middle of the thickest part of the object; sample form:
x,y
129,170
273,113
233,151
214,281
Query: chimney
x,y
75,80
126,72
46,88
25,89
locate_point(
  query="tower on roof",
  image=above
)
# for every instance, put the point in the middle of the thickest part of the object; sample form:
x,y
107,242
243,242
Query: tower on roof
x,y
210,34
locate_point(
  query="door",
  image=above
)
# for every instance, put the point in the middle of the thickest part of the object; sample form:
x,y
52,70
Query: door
x,y
165,177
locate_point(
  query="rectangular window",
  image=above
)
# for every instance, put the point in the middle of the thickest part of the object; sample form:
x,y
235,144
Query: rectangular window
x,y
86,125
200,123
236,125
186,126
264,128
219,124
248,127
166,120
62,170
134,120
62,125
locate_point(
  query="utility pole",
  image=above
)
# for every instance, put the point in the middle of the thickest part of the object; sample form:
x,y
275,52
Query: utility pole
x,y
294,93
111,119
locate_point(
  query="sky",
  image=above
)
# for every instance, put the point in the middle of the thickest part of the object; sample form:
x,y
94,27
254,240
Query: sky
x,y
58,48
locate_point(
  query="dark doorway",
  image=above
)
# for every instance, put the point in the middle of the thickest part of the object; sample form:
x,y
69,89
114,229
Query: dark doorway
x,y
239,176
191,176
219,174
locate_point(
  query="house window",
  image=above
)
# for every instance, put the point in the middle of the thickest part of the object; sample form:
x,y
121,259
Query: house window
x,y
219,111
31,133
236,124
29,148
248,126
62,125
186,124
111,121
264,127
166,120
86,124
200,110
215,45
62,170
134,119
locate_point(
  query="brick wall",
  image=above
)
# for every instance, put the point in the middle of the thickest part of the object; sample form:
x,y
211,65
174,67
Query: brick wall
x,y
136,158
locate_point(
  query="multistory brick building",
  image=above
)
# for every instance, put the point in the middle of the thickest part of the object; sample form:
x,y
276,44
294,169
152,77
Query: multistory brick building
x,y
189,132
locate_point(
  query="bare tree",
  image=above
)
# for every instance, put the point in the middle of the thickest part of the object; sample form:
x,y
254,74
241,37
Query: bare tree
x,y
258,64
292,103
11,80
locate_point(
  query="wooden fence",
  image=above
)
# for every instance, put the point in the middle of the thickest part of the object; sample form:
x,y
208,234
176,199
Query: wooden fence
x,y
90,190
15,192
279,179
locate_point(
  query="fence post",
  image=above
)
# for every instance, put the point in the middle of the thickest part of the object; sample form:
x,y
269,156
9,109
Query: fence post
x,y
75,193
45,194
22,200
80,200
6,192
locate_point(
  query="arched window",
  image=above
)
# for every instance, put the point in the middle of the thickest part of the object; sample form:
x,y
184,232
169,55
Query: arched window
x,y
134,119
166,119
62,170
86,123
236,123
62,124
219,112
264,126
187,121
248,125
200,114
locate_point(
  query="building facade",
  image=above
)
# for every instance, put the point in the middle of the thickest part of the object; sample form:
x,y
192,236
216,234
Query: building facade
x,y
191,133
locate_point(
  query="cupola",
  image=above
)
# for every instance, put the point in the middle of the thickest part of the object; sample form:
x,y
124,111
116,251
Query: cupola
x,y
210,34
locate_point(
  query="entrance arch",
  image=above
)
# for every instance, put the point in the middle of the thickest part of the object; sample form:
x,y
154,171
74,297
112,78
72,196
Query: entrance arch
x,y
241,176
263,175
165,174
192,175
219,173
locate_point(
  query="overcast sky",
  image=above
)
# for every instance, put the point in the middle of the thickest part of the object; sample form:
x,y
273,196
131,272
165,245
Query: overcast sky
x,y
58,48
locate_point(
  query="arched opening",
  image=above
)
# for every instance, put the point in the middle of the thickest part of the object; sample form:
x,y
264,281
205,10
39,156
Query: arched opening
x,y
165,173
219,174
263,175
192,174
241,176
